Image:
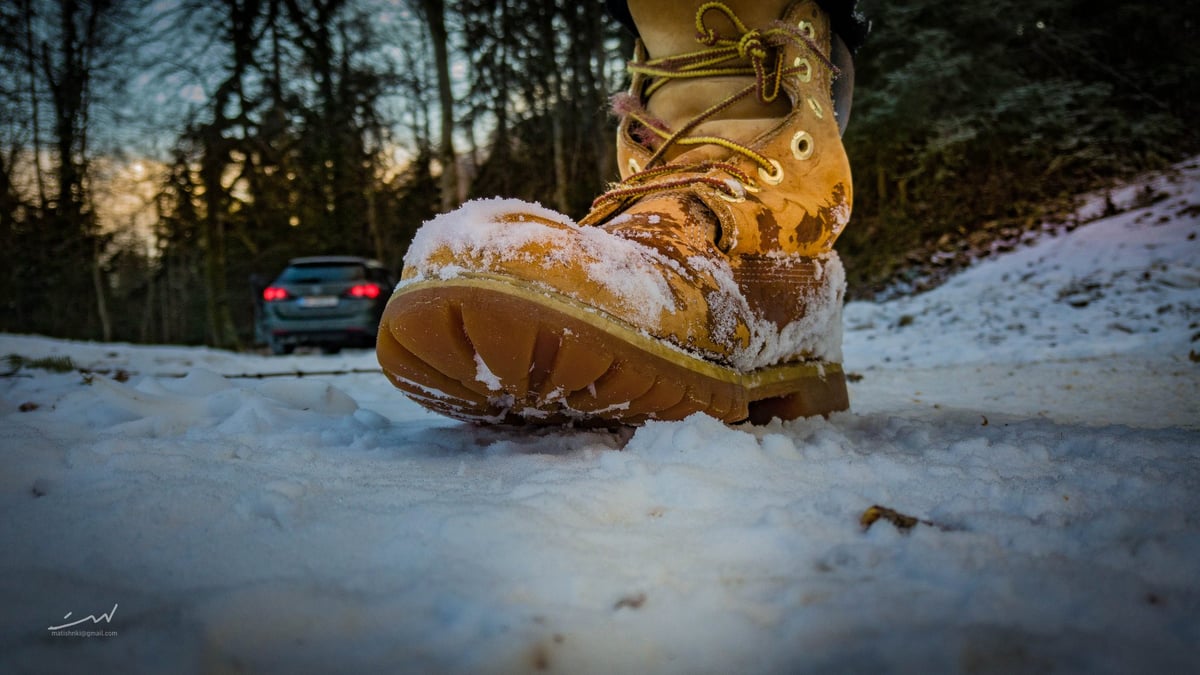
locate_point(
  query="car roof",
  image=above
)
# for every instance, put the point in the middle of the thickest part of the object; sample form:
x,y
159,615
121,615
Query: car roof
x,y
335,260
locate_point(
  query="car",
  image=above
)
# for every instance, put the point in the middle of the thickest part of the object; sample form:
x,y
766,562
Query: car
x,y
328,302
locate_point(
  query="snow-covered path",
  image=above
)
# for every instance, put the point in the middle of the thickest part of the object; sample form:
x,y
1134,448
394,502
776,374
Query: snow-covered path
x,y
1040,413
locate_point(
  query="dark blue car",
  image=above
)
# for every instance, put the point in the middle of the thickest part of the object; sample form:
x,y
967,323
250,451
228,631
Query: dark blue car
x,y
325,301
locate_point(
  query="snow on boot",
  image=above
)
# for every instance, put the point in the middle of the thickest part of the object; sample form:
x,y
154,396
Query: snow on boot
x,y
704,281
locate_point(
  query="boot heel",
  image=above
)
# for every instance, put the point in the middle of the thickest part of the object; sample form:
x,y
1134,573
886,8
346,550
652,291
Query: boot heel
x,y
812,396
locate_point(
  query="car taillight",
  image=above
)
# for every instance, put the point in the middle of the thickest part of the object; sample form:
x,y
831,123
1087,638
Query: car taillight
x,y
364,291
274,294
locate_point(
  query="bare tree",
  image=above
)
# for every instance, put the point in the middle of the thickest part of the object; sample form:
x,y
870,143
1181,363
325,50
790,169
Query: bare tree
x,y
62,50
434,12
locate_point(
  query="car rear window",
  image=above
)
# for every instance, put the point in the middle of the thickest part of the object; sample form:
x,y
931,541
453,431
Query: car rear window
x,y
311,274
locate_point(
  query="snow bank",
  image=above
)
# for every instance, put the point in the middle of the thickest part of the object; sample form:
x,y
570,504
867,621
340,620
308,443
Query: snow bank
x,y
325,523
1128,284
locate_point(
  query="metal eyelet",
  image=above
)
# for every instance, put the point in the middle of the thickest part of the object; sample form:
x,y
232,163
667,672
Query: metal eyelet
x,y
806,74
634,167
802,145
807,29
816,108
772,178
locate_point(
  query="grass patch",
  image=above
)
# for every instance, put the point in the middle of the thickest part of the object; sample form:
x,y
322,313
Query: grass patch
x,y
54,364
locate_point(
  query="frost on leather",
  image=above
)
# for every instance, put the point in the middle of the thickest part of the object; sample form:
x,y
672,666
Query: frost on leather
x,y
485,236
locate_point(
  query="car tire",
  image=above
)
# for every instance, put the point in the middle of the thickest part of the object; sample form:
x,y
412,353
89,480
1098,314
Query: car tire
x,y
279,348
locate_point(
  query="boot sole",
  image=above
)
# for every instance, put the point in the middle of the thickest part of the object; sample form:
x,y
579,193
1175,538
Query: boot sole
x,y
484,349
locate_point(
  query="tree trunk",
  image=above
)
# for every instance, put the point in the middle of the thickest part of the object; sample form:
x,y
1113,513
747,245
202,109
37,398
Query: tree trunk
x,y
557,111
435,17
605,149
34,106
67,72
148,309
880,186
373,224
221,332
98,286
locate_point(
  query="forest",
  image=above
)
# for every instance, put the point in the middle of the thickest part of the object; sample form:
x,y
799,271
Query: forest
x,y
157,157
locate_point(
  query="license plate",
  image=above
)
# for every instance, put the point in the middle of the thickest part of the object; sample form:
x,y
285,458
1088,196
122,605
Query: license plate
x,y
319,301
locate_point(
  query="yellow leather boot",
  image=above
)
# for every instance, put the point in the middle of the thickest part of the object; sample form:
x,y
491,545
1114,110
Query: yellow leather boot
x,y
704,281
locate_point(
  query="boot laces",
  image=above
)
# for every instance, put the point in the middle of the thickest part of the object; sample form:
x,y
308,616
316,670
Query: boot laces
x,y
757,52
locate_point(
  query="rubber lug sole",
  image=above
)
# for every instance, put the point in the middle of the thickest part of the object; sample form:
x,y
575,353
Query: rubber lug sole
x,y
485,350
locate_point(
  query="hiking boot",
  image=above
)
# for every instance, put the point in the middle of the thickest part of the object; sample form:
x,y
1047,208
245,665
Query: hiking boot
x,y
704,281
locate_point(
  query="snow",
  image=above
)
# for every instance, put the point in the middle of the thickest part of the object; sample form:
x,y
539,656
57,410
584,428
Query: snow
x,y
1040,413
492,232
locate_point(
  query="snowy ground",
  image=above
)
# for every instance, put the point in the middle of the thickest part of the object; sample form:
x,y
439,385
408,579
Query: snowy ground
x,y
1040,413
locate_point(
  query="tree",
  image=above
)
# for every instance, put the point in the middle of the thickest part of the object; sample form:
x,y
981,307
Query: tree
x,y
971,118
289,127
434,12
59,56
540,79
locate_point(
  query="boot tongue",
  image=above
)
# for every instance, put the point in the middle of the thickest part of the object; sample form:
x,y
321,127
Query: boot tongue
x,y
669,29
677,103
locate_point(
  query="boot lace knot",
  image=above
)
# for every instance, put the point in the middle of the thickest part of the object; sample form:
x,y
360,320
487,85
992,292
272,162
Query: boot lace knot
x,y
756,52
